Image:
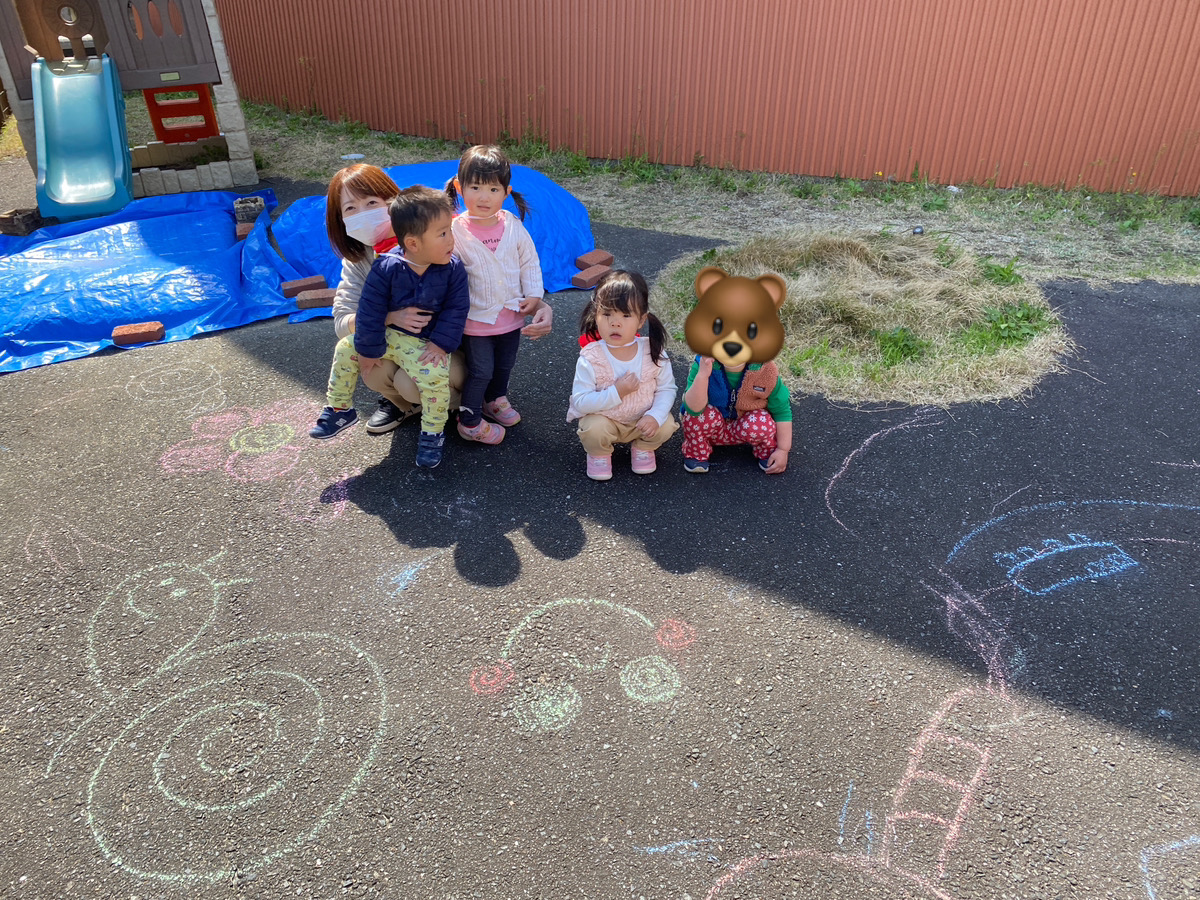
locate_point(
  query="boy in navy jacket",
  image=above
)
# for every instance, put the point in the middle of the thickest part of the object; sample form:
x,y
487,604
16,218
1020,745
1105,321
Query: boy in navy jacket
x,y
413,308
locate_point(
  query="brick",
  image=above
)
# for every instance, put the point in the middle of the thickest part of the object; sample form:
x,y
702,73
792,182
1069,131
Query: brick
x,y
140,157
588,277
204,173
20,222
222,176
313,282
152,181
160,154
141,333
318,298
244,229
138,190
595,258
246,209
243,171
188,181
170,179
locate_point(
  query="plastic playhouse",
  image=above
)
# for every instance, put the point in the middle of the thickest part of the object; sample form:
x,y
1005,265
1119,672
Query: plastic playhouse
x,y
69,100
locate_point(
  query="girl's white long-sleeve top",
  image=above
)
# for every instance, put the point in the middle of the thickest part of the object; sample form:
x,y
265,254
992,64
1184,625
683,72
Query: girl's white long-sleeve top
x,y
586,399
498,280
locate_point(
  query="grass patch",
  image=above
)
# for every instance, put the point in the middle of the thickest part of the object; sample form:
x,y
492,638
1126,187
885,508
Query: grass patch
x,y
876,317
10,140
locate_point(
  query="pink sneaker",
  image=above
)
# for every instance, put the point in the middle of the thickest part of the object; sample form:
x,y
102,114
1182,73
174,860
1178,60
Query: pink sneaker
x,y
599,468
643,461
484,432
500,410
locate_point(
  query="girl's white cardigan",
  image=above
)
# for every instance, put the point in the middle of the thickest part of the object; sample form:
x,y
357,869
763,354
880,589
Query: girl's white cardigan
x,y
498,280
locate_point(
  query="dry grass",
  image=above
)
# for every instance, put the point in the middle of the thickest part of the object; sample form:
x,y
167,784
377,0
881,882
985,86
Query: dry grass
x,y
859,305
10,141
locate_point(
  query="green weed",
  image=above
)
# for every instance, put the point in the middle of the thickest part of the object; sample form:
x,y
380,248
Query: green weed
x,y
935,203
1006,326
810,190
1001,274
900,345
1192,216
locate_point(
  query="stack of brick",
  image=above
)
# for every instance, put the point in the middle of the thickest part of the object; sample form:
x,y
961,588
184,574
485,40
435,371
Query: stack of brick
x,y
593,266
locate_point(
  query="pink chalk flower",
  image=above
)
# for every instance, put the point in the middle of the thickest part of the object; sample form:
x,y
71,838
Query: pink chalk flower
x,y
675,634
251,444
492,679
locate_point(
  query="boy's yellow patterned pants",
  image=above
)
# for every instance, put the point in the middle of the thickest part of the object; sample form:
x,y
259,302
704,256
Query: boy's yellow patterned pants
x,y
403,349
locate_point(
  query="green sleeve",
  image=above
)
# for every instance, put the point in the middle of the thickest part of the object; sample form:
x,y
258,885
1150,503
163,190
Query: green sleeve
x,y
779,404
690,378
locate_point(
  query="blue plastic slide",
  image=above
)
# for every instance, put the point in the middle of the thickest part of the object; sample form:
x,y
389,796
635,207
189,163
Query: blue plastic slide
x,y
83,163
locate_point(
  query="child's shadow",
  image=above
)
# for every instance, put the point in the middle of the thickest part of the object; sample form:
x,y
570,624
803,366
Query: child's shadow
x,y
472,501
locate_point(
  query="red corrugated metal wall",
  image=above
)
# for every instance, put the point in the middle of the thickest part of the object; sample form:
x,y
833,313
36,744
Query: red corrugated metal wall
x,y
1099,93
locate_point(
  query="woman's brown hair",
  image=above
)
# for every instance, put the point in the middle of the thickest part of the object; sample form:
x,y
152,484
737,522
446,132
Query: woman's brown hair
x,y
361,180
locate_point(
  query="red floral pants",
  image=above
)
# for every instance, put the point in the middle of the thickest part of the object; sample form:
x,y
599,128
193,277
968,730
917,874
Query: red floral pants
x,y
701,433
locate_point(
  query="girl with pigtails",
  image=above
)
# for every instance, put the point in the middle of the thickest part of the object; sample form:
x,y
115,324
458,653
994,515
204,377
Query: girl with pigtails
x,y
505,279
624,388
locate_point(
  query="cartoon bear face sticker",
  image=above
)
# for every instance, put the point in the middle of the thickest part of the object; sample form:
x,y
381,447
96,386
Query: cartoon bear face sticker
x,y
735,319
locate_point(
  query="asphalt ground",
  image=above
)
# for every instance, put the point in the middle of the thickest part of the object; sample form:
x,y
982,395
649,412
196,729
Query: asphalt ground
x,y
948,654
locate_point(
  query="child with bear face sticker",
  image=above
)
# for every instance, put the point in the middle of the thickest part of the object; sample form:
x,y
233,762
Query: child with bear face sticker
x,y
734,394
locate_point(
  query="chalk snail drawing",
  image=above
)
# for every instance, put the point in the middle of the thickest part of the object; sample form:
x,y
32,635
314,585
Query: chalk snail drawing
x,y
648,680
224,757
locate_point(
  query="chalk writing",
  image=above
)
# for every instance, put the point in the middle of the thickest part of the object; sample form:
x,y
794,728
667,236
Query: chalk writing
x,y
924,418
190,388
1151,856
649,680
1057,564
218,741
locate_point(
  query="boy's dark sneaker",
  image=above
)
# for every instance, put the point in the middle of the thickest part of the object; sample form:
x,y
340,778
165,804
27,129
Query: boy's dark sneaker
x,y
332,422
386,417
429,449
695,465
764,464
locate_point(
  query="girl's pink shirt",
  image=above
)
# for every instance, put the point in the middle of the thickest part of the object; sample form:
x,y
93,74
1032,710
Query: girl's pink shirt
x,y
509,319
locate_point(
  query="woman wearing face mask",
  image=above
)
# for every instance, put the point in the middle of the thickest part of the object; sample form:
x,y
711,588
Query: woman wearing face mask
x,y
356,219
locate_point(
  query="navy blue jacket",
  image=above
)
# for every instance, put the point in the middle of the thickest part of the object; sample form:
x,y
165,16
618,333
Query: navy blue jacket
x,y
392,285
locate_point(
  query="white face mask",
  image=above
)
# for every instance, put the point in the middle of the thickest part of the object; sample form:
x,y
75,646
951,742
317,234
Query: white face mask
x,y
370,226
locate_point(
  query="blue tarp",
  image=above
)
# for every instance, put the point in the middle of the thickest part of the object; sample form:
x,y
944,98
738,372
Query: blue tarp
x,y
172,259
557,222
176,260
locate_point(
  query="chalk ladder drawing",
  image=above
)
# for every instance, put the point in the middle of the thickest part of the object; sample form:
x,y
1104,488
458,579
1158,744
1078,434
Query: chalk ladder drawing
x,y
1056,564
648,680
257,742
924,824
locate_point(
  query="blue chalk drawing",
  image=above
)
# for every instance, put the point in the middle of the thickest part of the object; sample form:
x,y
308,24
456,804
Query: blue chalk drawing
x,y
870,820
396,583
1056,564
845,810
1149,854
690,848
1063,505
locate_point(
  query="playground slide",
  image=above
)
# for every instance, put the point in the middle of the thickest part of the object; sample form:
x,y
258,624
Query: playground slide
x,y
83,161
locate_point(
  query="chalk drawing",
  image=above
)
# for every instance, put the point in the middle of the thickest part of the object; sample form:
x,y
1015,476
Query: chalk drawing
x,y
919,834
395,583
57,539
649,680
690,848
1057,563
1151,856
190,388
1067,506
924,418
249,444
311,500
969,620
259,742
